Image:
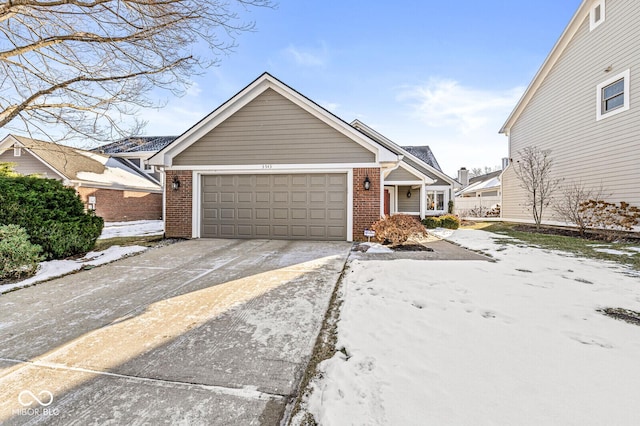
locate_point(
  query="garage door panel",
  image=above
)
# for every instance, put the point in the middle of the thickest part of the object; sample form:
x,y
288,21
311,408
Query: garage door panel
x,y
245,214
299,214
244,197
296,206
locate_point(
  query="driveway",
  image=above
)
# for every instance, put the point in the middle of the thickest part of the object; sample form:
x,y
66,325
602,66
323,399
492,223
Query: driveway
x,y
198,332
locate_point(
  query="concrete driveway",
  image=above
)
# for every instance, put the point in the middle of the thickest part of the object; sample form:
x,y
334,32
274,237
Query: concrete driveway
x,y
198,332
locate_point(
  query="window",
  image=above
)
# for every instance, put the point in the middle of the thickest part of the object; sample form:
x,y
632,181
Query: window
x,y
435,200
597,15
17,151
613,96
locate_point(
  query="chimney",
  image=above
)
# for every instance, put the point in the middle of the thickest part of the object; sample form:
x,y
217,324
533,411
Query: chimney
x,y
463,177
505,162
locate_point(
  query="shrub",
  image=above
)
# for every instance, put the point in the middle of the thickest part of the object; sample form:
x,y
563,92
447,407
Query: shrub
x,y
397,229
52,215
450,221
610,220
450,207
431,222
18,257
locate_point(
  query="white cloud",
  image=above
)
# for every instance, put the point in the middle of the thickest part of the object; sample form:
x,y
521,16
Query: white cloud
x,y
459,123
446,103
308,57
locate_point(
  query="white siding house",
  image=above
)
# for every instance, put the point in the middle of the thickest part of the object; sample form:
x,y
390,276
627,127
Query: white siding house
x,y
584,107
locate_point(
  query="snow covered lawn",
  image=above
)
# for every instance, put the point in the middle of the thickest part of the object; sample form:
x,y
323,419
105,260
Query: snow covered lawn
x,y
57,268
135,228
516,342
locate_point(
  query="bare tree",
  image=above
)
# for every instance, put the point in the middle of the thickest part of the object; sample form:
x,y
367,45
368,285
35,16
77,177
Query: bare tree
x,y
87,65
570,205
533,169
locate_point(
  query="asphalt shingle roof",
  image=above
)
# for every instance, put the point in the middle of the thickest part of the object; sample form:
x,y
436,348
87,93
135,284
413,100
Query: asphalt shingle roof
x,y
136,144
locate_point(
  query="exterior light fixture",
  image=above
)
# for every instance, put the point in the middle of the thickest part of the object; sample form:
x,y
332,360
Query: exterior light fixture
x,y
367,183
176,183
409,193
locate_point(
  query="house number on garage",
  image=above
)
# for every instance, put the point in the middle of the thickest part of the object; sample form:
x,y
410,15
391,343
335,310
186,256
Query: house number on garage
x,y
267,166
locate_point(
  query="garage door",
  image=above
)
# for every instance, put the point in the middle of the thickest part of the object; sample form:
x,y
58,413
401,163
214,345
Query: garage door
x,y
291,206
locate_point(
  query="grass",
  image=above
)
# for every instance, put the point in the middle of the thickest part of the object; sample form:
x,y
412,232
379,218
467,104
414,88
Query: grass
x,y
578,246
146,241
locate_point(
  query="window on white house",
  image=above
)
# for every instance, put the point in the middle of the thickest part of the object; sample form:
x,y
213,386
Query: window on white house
x,y
17,151
597,14
613,95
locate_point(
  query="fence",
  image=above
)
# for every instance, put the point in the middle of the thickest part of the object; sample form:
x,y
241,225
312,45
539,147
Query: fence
x,y
477,206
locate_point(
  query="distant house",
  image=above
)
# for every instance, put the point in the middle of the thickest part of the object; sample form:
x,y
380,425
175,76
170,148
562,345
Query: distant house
x,y
138,150
583,106
479,196
113,187
271,163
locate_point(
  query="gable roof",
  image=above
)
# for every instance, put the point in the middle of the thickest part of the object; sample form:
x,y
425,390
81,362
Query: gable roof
x,y
478,183
407,157
84,167
136,144
560,46
425,154
266,81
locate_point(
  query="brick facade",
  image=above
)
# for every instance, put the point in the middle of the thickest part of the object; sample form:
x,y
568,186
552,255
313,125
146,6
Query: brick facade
x,y
179,205
119,206
366,204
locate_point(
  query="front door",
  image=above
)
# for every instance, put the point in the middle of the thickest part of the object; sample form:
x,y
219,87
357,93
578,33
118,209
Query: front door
x,y
387,202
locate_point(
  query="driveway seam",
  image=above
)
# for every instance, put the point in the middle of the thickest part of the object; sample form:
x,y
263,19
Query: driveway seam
x,y
249,392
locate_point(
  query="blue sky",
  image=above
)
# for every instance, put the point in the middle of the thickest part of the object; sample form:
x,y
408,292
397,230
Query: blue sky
x,y
443,74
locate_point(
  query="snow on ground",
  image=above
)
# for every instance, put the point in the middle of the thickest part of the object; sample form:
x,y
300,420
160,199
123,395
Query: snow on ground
x,y
132,229
57,268
517,341
376,248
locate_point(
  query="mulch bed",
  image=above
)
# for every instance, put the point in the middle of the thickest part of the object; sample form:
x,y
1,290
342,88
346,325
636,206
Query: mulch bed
x,y
567,232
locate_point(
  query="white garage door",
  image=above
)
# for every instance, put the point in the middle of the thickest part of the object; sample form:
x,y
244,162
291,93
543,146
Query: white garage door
x,y
280,206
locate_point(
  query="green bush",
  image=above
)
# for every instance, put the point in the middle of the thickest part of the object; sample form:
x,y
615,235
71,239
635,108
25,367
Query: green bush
x,y
18,257
450,221
431,222
397,229
52,215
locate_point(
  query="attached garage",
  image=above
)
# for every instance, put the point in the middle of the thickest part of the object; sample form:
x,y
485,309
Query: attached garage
x,y
276,206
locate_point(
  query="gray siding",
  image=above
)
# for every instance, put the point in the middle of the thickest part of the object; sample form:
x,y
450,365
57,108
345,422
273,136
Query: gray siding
x,y
27,164
561,116
273,130
401,175
405,204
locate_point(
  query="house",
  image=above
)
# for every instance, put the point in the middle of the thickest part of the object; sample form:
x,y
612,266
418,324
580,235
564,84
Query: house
x,y
271,163
583,108
112,187
138,150
479,196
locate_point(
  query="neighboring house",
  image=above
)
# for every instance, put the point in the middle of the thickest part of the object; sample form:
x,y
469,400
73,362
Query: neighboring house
x,y
113,187
137,150
479,196
271,163
583,106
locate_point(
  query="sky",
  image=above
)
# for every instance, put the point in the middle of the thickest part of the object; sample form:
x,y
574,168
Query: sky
x,y
421,72
443,74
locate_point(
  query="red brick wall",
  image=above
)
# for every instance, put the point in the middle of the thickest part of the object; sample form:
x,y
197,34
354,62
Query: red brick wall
x,y
119,206
179,211
366,204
